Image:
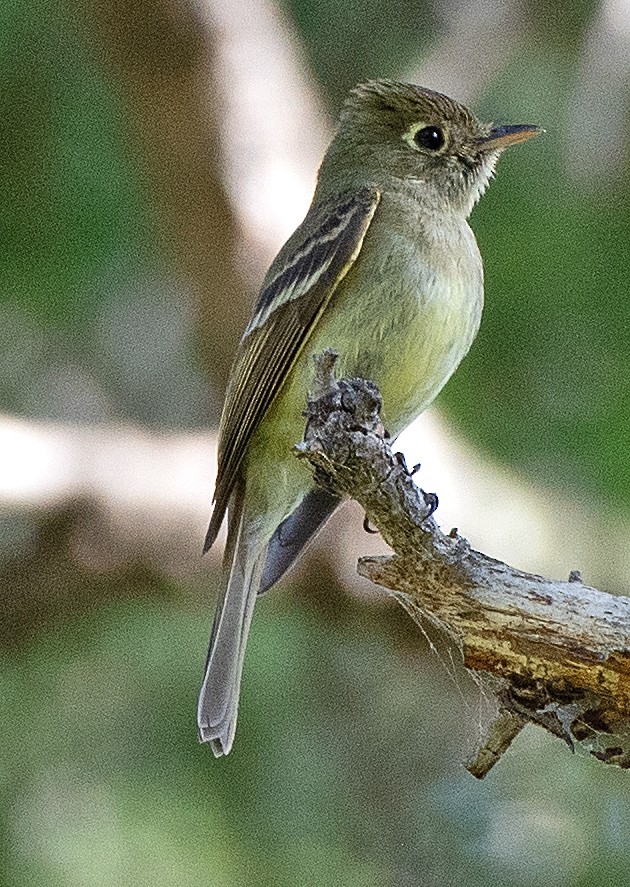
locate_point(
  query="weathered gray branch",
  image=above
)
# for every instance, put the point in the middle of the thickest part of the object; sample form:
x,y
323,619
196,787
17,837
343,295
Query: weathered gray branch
x,y
559,652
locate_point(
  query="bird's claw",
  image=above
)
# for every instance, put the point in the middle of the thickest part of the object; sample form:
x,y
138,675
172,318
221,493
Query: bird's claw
x,y
431,501
367,527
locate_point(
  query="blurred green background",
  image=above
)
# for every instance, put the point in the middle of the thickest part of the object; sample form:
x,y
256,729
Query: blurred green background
x,y
126,274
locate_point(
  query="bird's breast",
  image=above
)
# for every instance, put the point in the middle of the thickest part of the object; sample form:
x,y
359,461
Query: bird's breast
x,y
406,313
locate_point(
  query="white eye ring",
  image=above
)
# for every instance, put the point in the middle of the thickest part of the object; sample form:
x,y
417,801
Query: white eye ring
x,y
426,137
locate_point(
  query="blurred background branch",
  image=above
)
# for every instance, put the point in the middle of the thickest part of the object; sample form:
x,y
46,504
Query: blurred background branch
x,y
149,495
478,42
162,57
599,104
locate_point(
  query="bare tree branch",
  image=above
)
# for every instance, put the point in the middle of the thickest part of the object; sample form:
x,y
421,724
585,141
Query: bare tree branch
x,y
558,652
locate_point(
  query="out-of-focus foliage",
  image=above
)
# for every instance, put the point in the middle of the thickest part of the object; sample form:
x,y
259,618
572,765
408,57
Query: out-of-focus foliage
x,y
72,208
92,325
355,41
340,774
346,769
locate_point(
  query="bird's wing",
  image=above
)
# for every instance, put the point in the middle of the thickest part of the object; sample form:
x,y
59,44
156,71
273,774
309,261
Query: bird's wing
x,y
297,289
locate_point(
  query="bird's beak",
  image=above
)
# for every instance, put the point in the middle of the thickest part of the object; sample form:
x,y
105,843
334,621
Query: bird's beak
x,y
501,137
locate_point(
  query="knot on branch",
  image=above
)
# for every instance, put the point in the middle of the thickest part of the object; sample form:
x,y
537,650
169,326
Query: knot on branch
x,y
346,444
352,404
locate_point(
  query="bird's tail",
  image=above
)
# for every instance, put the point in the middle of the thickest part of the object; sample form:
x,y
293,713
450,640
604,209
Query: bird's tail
x,y
250,566
218,699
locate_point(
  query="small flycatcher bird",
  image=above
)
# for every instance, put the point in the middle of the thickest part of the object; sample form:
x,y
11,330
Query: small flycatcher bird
x,y
385,271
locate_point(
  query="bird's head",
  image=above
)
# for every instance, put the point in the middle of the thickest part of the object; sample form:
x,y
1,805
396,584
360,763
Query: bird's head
x,y
392,132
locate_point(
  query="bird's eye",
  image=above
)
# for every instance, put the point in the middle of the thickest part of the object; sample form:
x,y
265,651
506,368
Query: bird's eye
x,y
429,137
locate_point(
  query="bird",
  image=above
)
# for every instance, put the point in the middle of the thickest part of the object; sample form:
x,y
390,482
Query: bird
x,y
384,271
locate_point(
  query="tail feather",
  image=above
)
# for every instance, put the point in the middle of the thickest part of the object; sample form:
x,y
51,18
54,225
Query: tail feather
x,y
250,567
218,700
